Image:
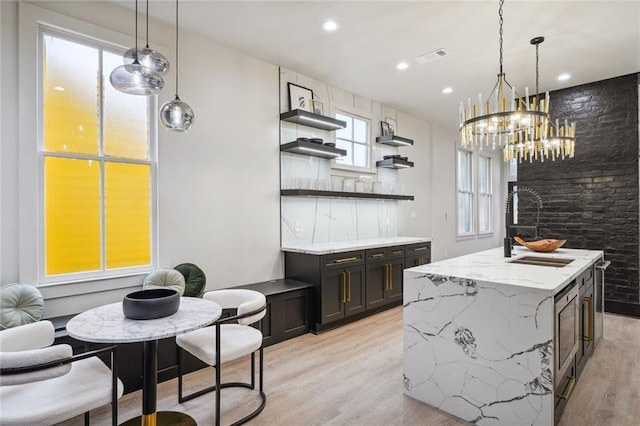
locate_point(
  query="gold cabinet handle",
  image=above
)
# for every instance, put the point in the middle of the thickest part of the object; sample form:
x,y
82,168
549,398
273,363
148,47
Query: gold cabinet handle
x,y
420,261
346,259
349,288
589,336
390,277
375,256
568,389
397,252
386,277
420,249
344,287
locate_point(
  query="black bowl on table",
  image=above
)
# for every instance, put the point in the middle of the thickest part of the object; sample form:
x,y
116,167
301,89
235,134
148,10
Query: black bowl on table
x,y
331,144
387,157
151,303
316,140
303,139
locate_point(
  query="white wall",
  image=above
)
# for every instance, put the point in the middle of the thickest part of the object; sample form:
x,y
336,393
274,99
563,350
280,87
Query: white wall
x,y
445,243
218,183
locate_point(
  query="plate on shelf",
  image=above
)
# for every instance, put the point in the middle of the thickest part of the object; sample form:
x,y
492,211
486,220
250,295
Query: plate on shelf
x,y
303,140
331,144
387,157
316,140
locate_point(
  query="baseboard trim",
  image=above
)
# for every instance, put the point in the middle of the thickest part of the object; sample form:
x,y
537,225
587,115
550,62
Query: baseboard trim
x,y
622,308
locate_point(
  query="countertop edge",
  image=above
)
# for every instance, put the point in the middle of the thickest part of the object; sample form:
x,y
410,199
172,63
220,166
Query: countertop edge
x,y
356,245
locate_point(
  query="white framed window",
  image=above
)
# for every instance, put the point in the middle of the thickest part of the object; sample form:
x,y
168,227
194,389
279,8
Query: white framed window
x,y
87,159
485,193
465,193
355,138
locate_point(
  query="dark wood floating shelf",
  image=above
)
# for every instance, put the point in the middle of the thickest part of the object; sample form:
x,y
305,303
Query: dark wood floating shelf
x,y
394,163
341,194
394,140
310,119
313,149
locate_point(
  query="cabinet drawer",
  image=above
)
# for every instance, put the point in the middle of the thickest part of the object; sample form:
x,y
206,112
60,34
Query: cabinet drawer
x,y
395,252
374,255
343,260
418,249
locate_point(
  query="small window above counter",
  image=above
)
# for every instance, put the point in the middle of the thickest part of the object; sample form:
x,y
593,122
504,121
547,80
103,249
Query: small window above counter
x,y
311,119
394,140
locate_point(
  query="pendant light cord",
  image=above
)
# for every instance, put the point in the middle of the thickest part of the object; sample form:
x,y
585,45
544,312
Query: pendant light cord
x,y
537,75
147,24
136,27
501,21
177,50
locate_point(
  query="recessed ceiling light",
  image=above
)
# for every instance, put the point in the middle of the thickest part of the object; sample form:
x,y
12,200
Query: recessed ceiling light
x,y
330,26
447,90
402,66
565,76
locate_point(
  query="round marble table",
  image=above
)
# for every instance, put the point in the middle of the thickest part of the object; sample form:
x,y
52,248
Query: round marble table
x,y
107,324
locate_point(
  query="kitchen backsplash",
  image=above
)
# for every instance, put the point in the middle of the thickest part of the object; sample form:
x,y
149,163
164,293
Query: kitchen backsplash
x,y
309,220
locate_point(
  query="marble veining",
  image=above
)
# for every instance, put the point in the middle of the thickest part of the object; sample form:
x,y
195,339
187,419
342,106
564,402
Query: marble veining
x,y
492,266
343,246
107,323
480,350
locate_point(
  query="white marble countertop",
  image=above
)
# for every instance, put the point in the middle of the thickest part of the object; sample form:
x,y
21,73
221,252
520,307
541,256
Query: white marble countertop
x,y
107,323
492,266
343,246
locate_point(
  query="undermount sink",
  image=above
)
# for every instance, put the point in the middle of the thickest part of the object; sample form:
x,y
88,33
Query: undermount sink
x,y
556,262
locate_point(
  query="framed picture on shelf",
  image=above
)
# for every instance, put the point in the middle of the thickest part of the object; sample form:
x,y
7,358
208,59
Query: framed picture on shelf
x,y
384,127
299,97
393,127
316,107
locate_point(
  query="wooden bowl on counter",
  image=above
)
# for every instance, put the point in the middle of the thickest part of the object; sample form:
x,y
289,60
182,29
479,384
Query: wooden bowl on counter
x,y
542,246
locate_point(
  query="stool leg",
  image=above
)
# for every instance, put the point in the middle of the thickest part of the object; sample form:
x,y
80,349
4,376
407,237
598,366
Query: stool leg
x,y
218,375
253,370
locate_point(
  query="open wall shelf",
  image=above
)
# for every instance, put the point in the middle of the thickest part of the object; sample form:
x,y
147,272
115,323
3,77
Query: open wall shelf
x,y
394,140
313,149
310,119
341,194
394,163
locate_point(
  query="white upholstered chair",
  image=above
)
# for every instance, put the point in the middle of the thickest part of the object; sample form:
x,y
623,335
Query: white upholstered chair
x,y
228,339
42,384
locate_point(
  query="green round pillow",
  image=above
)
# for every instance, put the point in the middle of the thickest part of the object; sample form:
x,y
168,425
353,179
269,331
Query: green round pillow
x,y
194,278
20,304
165,278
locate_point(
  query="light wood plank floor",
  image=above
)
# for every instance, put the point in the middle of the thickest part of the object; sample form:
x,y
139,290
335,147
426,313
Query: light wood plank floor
x,y
353,376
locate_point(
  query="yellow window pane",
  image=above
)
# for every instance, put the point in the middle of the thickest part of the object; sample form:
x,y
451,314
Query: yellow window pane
x,y
126,118
127,214
70,96
72,215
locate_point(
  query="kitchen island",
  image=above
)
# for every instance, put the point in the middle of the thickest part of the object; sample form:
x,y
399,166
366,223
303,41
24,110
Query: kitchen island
x,y
479,334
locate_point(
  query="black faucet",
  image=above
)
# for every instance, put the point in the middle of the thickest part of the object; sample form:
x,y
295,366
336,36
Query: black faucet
x,y
508,243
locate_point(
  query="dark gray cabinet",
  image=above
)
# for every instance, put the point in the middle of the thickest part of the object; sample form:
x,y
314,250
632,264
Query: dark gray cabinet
x,y
587,318
353,284
417,254
384,275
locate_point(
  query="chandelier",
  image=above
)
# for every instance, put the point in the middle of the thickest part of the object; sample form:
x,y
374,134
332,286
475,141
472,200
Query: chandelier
x,y
520,126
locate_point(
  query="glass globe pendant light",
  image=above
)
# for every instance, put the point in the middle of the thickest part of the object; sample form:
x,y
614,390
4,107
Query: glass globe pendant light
x,y
148,57
176,115
134,78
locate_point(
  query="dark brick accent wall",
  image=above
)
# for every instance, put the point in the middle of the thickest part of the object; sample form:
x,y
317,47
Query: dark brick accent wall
x,y
592,199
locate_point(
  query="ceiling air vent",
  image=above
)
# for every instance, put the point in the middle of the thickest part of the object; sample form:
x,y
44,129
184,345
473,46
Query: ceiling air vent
x,y
431,56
